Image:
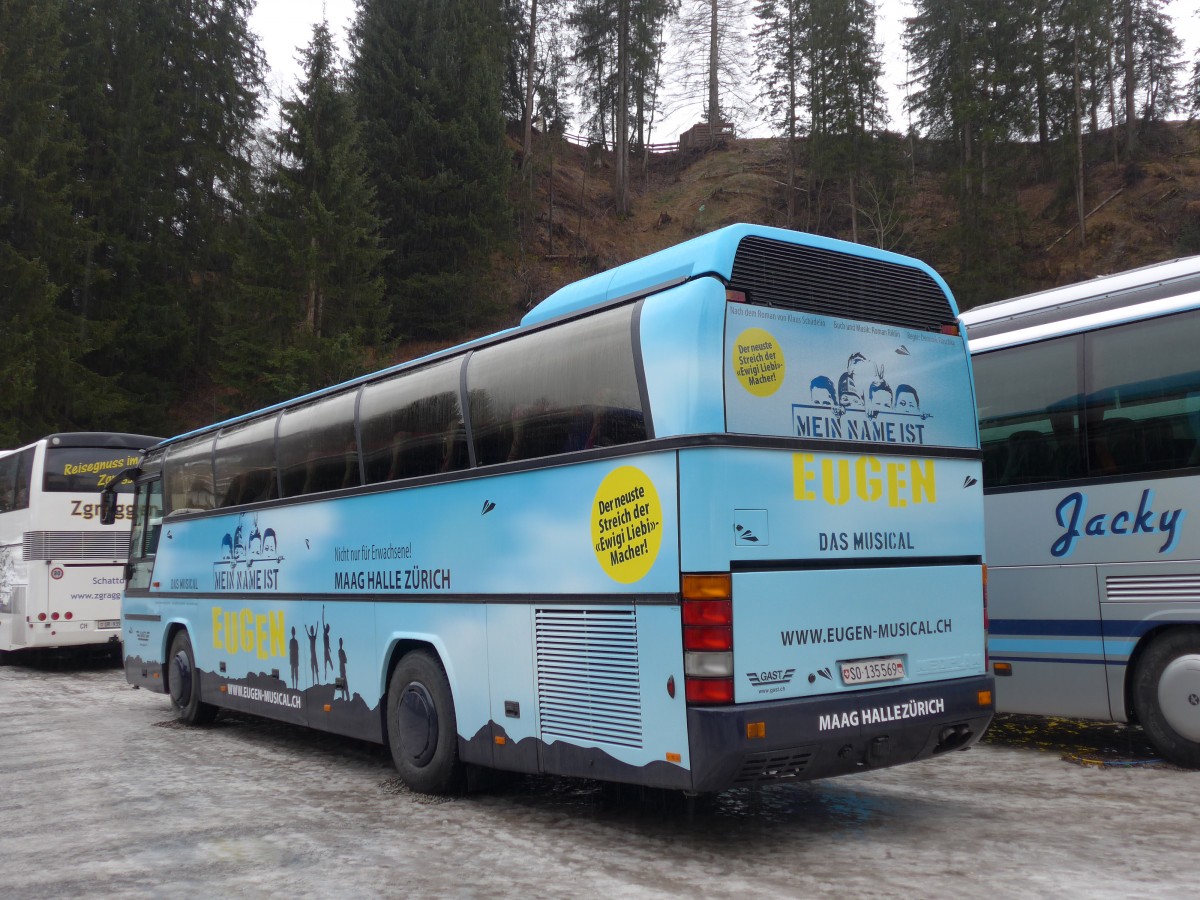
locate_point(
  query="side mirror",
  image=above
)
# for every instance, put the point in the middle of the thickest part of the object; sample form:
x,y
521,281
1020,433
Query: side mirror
x,y
108,506
108,496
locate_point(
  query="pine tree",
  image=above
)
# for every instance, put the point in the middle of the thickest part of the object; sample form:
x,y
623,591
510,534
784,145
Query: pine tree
x,y
426,78
778,42
619,51
972,67
821,66
710,47
165,94
312,295
44,386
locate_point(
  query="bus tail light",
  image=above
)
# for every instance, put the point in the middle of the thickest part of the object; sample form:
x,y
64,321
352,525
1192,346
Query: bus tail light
x,y
709,690
68,615
707,613
54,617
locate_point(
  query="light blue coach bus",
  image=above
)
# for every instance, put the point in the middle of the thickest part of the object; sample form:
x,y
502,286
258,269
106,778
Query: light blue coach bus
x,y
711,518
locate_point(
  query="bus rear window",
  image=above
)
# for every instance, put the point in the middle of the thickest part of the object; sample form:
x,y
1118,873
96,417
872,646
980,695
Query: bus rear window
x,y
84,470
819,377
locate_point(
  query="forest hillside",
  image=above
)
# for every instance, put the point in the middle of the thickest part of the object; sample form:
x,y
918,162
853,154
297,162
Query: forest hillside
x,y
1137,214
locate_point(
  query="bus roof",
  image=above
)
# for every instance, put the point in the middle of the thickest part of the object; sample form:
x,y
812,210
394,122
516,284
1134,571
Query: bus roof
x,y
1136,287
710,254
116,440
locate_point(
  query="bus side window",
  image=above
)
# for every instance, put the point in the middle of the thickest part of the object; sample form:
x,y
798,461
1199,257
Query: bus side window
x,y
317,448
188,477
1143,382
412,424
244,463
8,482
1029,413
24,479
562,390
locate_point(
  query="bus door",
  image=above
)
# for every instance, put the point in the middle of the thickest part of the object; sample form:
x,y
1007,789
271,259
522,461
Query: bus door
x,y
146,532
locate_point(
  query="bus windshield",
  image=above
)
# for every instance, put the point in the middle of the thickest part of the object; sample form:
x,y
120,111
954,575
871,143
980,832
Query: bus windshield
x,y
86,470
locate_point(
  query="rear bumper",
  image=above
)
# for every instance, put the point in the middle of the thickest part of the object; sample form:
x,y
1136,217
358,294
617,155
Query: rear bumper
x,y
820,737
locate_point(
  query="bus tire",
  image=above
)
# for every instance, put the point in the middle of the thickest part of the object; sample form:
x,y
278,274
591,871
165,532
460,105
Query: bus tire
x,y
183,682
1166,695
422,730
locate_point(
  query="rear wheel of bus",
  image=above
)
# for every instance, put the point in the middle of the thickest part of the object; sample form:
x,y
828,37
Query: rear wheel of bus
x,y
422,730
183,682
1166,695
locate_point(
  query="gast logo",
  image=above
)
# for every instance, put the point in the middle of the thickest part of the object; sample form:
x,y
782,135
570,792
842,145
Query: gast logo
x,y
774,676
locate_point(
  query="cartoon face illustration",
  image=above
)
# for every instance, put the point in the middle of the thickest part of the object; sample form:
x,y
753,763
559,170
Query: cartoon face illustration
x,y
269,542
239,542
880,396
227,547
858,369
821,390
848,397
907,400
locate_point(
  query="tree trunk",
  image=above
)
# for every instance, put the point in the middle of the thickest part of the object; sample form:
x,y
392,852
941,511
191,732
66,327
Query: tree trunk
x,y
621,137
1079,192
1130,80
714,105
527,145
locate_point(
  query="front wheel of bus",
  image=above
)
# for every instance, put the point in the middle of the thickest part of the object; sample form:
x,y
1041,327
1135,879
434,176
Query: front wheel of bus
x,y
184,683
422,729
1166,696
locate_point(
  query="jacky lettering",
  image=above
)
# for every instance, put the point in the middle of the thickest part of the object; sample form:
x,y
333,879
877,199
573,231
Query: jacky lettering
x,y
1071,514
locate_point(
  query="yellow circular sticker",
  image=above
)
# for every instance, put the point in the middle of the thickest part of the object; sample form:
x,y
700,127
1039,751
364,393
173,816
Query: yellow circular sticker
x,y
758,362
626,524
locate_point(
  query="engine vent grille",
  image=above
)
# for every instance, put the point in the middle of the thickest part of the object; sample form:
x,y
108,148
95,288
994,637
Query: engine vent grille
x,y
809,279
587,671
1152,588
779,765
75,545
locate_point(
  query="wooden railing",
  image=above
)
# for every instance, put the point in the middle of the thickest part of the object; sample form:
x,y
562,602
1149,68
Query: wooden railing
x,y
581,141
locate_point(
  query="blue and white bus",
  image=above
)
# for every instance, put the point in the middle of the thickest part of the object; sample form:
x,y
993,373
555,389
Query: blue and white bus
x,y
1089,408
711,518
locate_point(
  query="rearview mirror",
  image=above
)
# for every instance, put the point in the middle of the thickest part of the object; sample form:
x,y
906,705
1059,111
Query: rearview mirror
x,y
108,496
108,506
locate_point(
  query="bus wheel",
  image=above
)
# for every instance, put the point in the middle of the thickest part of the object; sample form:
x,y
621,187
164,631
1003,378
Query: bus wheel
x,y
421,726
1166,696
184,682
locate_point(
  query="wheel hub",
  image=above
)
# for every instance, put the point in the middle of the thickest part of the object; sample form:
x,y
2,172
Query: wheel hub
x,y
417,724
1179,695
181,680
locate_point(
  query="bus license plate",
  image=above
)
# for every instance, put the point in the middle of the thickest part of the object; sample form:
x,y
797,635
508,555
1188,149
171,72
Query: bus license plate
x,y
108,623
866,671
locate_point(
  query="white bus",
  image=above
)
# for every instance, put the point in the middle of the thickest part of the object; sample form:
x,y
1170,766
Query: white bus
x,y
61,571
1089,414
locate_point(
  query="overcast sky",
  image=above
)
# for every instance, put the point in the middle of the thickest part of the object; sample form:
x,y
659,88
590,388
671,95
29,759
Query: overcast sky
x,y
285,25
